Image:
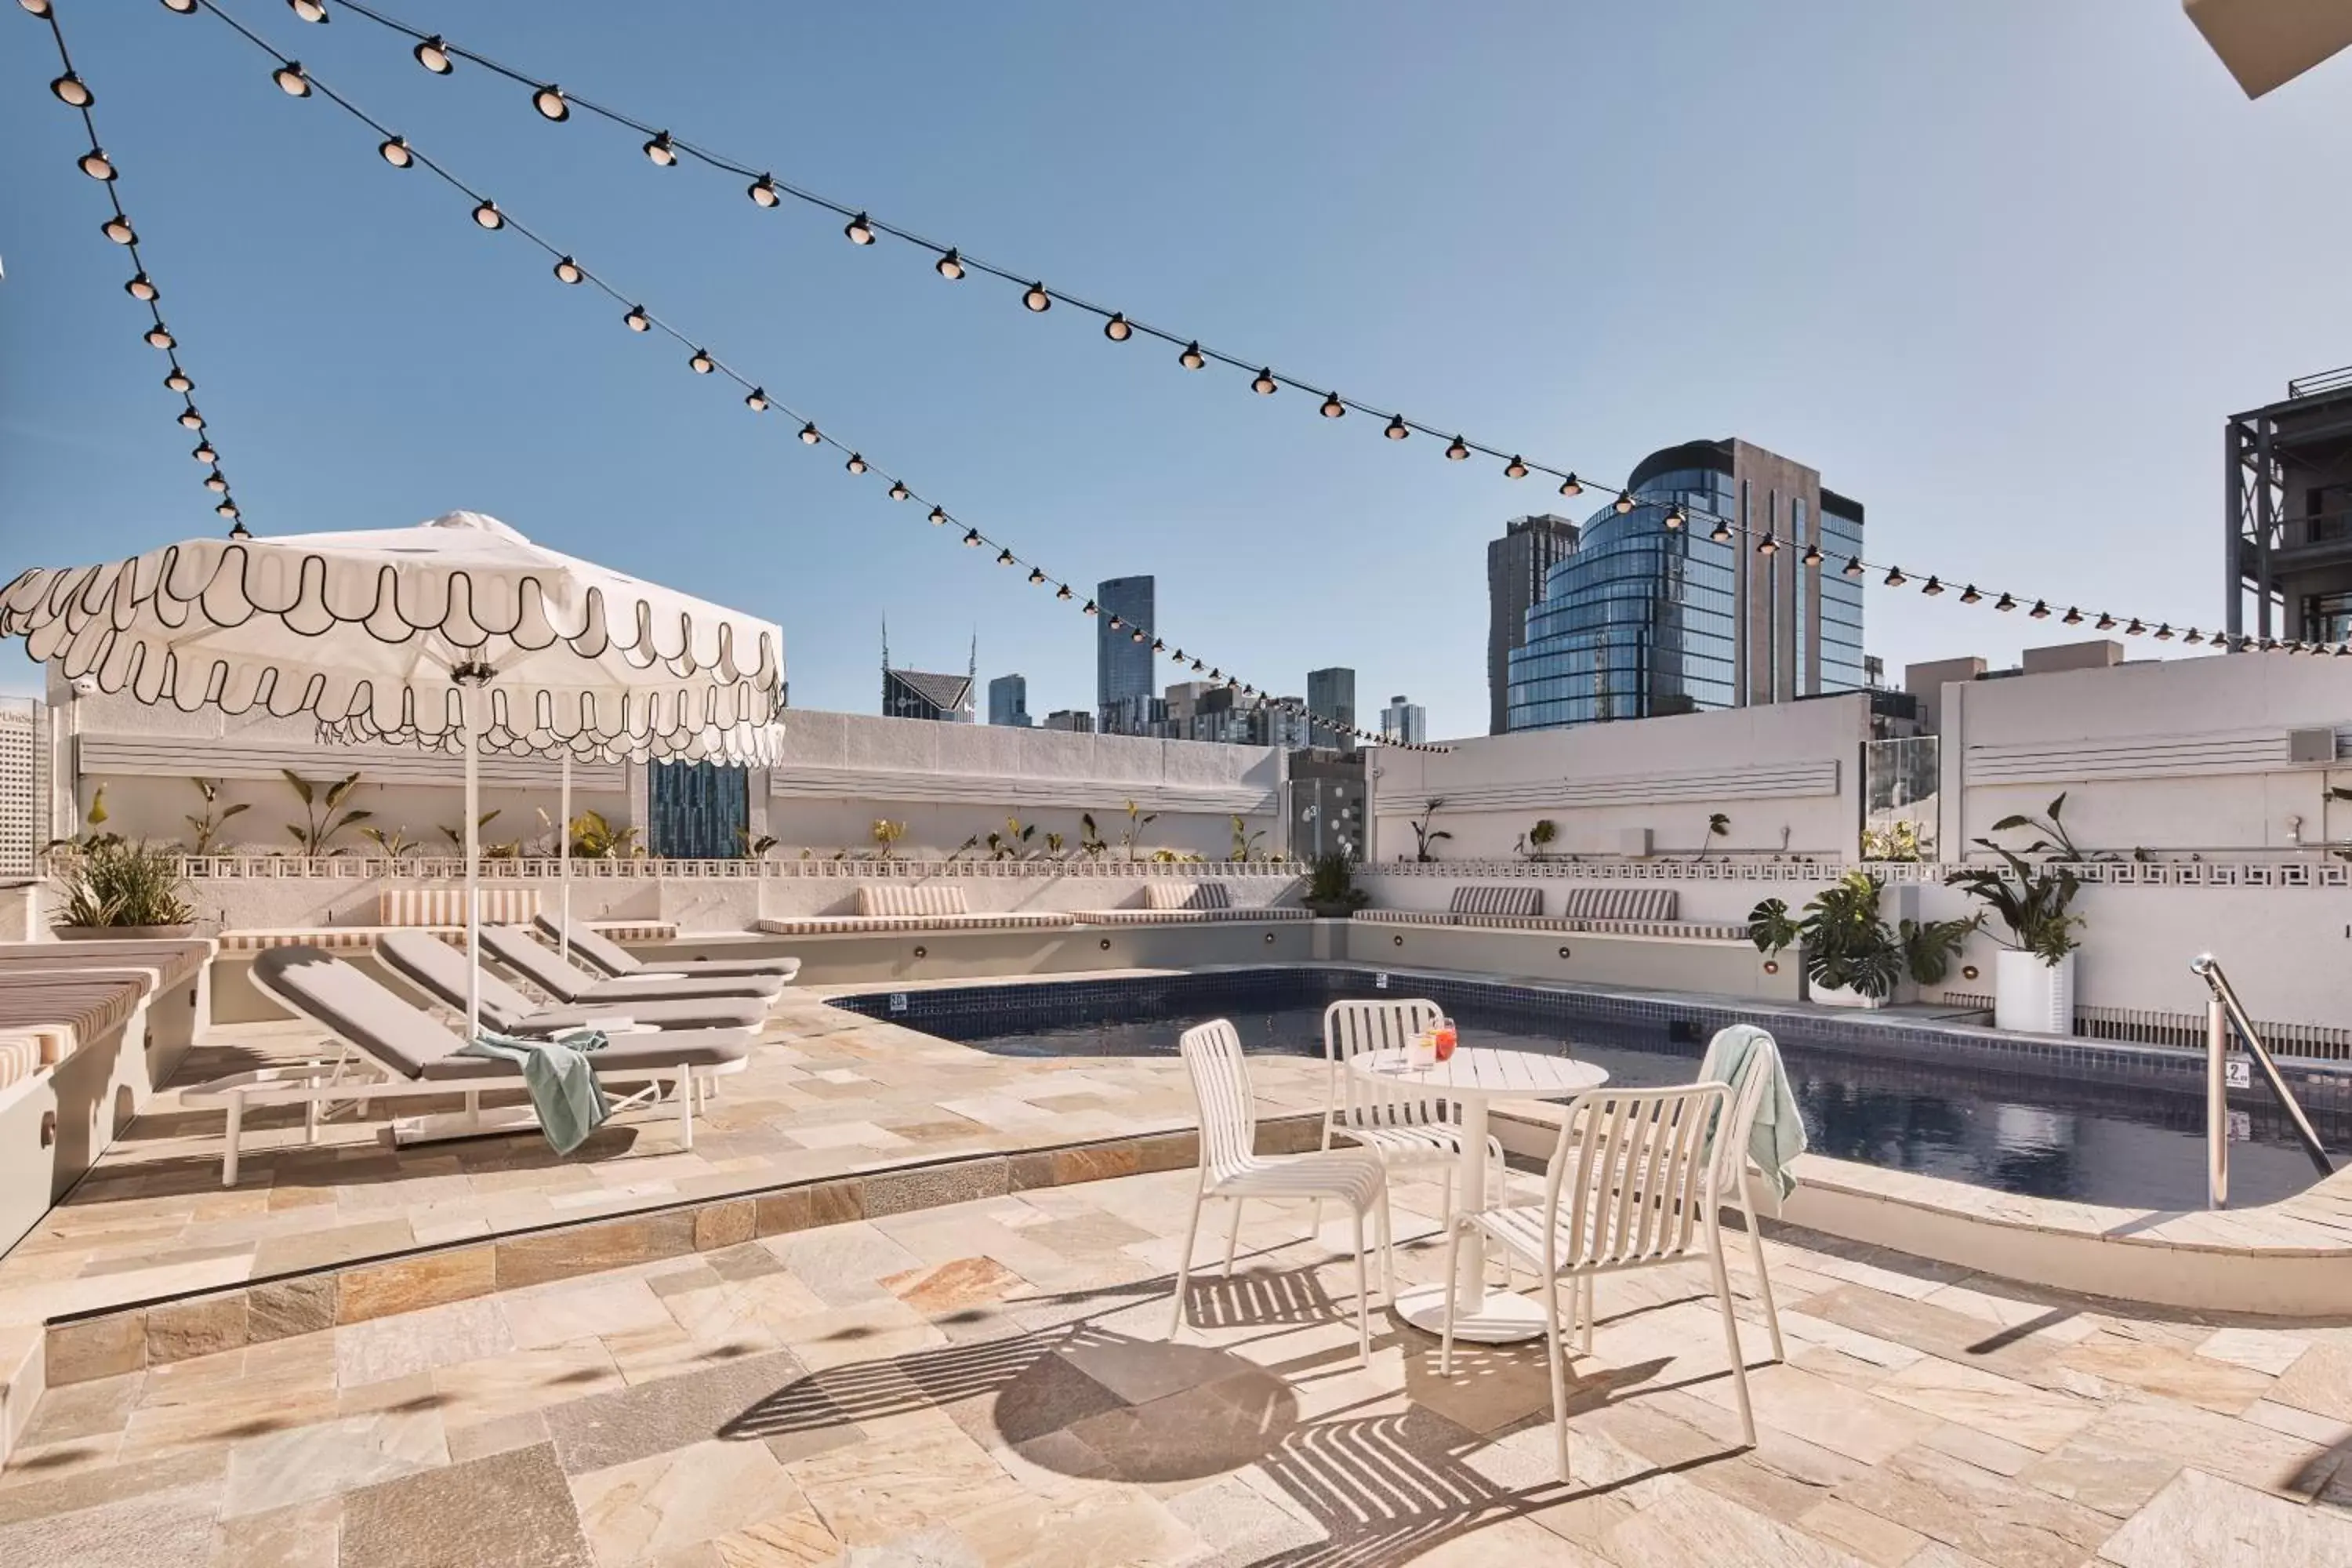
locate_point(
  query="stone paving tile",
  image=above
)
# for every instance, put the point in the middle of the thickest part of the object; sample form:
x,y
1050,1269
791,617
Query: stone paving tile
x,y
992,1383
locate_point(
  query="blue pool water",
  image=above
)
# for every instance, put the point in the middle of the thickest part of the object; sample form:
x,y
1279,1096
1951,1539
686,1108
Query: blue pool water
x,y
2094,1123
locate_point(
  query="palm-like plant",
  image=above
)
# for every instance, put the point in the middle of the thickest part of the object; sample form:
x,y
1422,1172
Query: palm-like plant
x,y
887,834
320,821
1847,947
1138,819
594,838
215,817
1424,835
1247,843
117,883
1009,844
394,844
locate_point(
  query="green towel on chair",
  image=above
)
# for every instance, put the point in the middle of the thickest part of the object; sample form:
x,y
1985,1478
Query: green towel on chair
x,y
564,1089
1777,1135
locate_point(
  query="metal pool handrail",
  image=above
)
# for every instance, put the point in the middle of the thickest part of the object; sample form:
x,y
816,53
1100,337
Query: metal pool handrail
x,y
2221,1013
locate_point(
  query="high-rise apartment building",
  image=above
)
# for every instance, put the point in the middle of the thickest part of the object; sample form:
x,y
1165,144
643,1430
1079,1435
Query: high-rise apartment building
x,y
1008,700
1643,619
1075,721
1405,723
1516,565
2289,514
1331,694
1125,703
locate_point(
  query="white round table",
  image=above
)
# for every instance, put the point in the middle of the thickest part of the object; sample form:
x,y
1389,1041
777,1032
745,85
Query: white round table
x,y
1472,1076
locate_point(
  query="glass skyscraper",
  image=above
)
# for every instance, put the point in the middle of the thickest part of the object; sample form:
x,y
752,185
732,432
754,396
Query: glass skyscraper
x,y
1642,620
1125,700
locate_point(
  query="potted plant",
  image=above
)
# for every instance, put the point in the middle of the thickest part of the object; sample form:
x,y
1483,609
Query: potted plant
x,y
2033,973
1331,890
120,890
1853,958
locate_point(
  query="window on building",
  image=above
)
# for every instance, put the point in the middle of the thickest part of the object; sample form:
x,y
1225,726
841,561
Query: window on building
x,y
2327,617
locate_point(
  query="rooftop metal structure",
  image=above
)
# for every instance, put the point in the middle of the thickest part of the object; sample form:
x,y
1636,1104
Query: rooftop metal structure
x,y
2287,531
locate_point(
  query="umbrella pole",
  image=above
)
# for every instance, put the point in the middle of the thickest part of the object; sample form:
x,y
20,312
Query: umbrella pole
x,y
473,868
563,858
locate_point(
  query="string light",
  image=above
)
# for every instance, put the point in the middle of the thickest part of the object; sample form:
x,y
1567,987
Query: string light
x,y
762,191
1674,518
1396,430
434,56
1063,592
857,464
205,454
159,336
216,482
2041,611
1720,533
1768,545
97,164
1092,610
70,91
1264,384
37,7
1457,452
310,10
636,320
1038,575
140,289
939,516
1119,328
2004,603
858,231
756,400
898,490
191,420
661,151
1191,358
568,270
1037,300
949,266
2134,628
1117,624
1932,588
1623,503
2073,617
1332,407
184,7
971,537
117,229
1516,469
810,435
290,80
2192,639
549,102
1968,595
1894,578
1812,555
179,380
1853,567
1004,558
486,213
1570,488
2107,623
393,150
2164,632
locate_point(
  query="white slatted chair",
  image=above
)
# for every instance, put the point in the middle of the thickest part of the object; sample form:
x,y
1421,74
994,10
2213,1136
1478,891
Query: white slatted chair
x,y
1631,1184
1409,1129
1735,1173
1232,1169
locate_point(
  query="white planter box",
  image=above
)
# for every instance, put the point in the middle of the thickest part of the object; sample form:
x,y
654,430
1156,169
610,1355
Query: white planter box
x,y
1841,997
2030,997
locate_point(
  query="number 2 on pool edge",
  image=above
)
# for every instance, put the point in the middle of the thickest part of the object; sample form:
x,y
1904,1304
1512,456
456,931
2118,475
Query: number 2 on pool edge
x,y
1379,982
2236,1072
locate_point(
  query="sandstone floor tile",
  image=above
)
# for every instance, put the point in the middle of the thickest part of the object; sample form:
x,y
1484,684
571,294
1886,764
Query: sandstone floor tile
x,y
2001,1406
846,1263
385,1348
954,1286
30,1499
306,1535
2262,1350
1836,1418
2171,1371
522,1381
102,1405
2199,1519
308,1463
868,1494
170,1529
510,1508
1688,1524
2004,1522
742,1401
2319,1381
795,1539
652,1506
2138,1445
556,1314
1108,1524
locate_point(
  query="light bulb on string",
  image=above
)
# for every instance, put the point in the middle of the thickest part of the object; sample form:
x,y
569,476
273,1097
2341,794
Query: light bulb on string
x,y
2192,637
159,336
1932,587
1894,578
898,490
1196,667
1569,487
810,435
700,362
1397,429
489,216
1968,595
37,7
1721,531
1037,298
568,270
393,150
661,151
1036,575
1062,592
949,266
2134,628
190,418
2004,603
97,164
857,464
1516,469
308,10
1812,555
203,453
2073,617
1118,624
756,400
1090,609
1674,521
2105,623
1158,645
2164,632
1768,545
71,90
179,380
433,54
1264,383
117,229
1004,558
140,288
857,231
1191,358
2041,611
1623,503
290,80
1853,567
762,191
184,7
1119,328
216,482
1458,451
939,516
238,529
636,320
1136,636
549,102
1332,408
973,540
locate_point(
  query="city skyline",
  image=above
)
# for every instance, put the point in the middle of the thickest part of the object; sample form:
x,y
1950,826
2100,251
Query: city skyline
x,y
332,410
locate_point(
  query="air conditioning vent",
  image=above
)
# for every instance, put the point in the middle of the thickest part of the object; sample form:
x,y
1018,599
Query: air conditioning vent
x,y
2310,748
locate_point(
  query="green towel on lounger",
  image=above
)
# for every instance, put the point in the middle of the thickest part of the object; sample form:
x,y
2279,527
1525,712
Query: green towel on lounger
x,y
1777,1135
564,1089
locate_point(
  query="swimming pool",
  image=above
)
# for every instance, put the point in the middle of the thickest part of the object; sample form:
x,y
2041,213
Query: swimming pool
x,y
2096,1124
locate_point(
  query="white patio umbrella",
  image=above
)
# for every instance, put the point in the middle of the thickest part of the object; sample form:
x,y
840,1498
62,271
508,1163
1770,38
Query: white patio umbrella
x,y
458,632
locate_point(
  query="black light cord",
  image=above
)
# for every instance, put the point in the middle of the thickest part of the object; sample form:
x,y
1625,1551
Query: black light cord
x,y
1196,354
490,215
69,89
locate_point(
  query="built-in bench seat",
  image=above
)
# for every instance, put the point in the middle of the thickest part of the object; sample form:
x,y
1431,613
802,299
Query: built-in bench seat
x,y
408,907
361,939
1169,903
57,996
893,907
1604,910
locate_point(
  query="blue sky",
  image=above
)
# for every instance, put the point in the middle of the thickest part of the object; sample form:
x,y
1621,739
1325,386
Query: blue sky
x,y
1997,270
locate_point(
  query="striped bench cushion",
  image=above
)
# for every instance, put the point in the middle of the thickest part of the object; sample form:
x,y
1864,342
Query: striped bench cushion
x,y
832,925
446,906
909,898
1186,896
1248,913
361,938
1621,903
1406,917
1496,899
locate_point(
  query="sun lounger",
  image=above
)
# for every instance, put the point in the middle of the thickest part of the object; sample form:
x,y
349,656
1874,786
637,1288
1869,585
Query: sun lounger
x,y
518,950
599,951
439,969
393,1051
